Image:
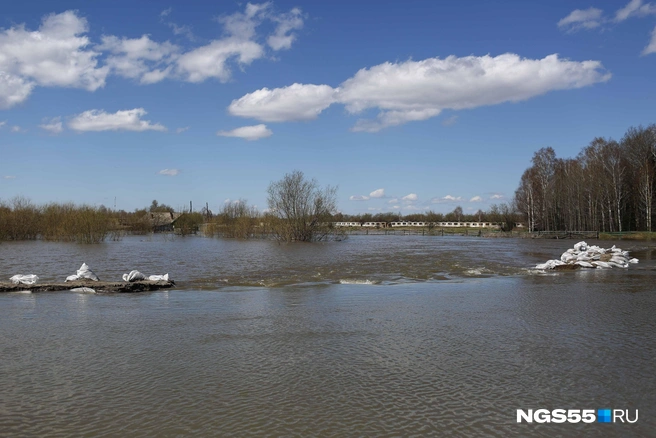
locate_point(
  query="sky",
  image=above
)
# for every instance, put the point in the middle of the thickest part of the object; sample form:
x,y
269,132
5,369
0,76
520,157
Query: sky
x,y
406,106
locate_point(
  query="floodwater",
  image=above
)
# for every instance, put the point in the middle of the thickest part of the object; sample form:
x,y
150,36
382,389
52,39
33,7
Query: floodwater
x,y
373,336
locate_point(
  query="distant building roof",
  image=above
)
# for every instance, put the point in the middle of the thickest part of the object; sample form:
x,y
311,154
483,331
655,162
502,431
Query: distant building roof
x,y
160,218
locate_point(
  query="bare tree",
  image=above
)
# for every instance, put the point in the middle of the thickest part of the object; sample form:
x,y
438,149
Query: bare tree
x,y
301,209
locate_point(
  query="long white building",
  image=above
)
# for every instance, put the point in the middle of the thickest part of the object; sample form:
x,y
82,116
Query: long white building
x,y
396,224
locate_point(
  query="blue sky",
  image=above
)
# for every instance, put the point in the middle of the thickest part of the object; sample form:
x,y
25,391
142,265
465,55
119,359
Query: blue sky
x,y
406,106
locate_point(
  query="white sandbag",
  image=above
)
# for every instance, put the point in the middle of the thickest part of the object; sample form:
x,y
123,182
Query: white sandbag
x,y
584,264
24,279
581,246
134,276
164,277
73,277
633,261
85,272
550,264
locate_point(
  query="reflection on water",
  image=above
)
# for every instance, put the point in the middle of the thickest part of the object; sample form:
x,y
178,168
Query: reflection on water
x,y
409,355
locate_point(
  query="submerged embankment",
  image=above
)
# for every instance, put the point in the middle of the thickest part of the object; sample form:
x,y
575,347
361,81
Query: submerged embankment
x,y
210,263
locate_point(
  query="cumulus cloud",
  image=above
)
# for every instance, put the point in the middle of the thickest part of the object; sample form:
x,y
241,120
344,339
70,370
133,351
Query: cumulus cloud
x,y
393,201
283,36
9,177
54,126
249,133
418,90
181,130
125,120
13,90
3,123
138,58
410,197
582,19
59,52
476,199
358,198
211,61
496,196
169,172
295,102
651,47
56,54
378,193
239,44
17,128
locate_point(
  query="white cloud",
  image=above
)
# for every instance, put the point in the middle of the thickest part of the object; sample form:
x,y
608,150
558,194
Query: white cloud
x,y
446,199
125,120
250,133
496,196
651,47
410,197
181,130
635,8
169,172
17,128
239,44
393,201
13,89
378,193
358,198
450,121
54,126
3,123
476,199
283,37
60,53
418,90
57,54
138,58
211,61
9,177
582,19
295,102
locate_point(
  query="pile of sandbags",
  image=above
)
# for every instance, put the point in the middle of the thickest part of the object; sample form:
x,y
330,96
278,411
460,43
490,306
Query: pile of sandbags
x,y
138,276
590,256
24,279
84,273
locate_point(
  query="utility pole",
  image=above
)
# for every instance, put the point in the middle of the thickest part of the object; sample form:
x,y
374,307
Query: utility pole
x,y
189,206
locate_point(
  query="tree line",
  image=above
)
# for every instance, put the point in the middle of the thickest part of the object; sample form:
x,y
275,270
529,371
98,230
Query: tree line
x,y
299,210
608,187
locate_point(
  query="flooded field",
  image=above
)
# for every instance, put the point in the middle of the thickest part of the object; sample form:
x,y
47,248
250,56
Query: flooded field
x,y
373,336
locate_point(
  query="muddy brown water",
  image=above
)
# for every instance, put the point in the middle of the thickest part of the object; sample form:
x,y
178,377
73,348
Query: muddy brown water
x,y
373,336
